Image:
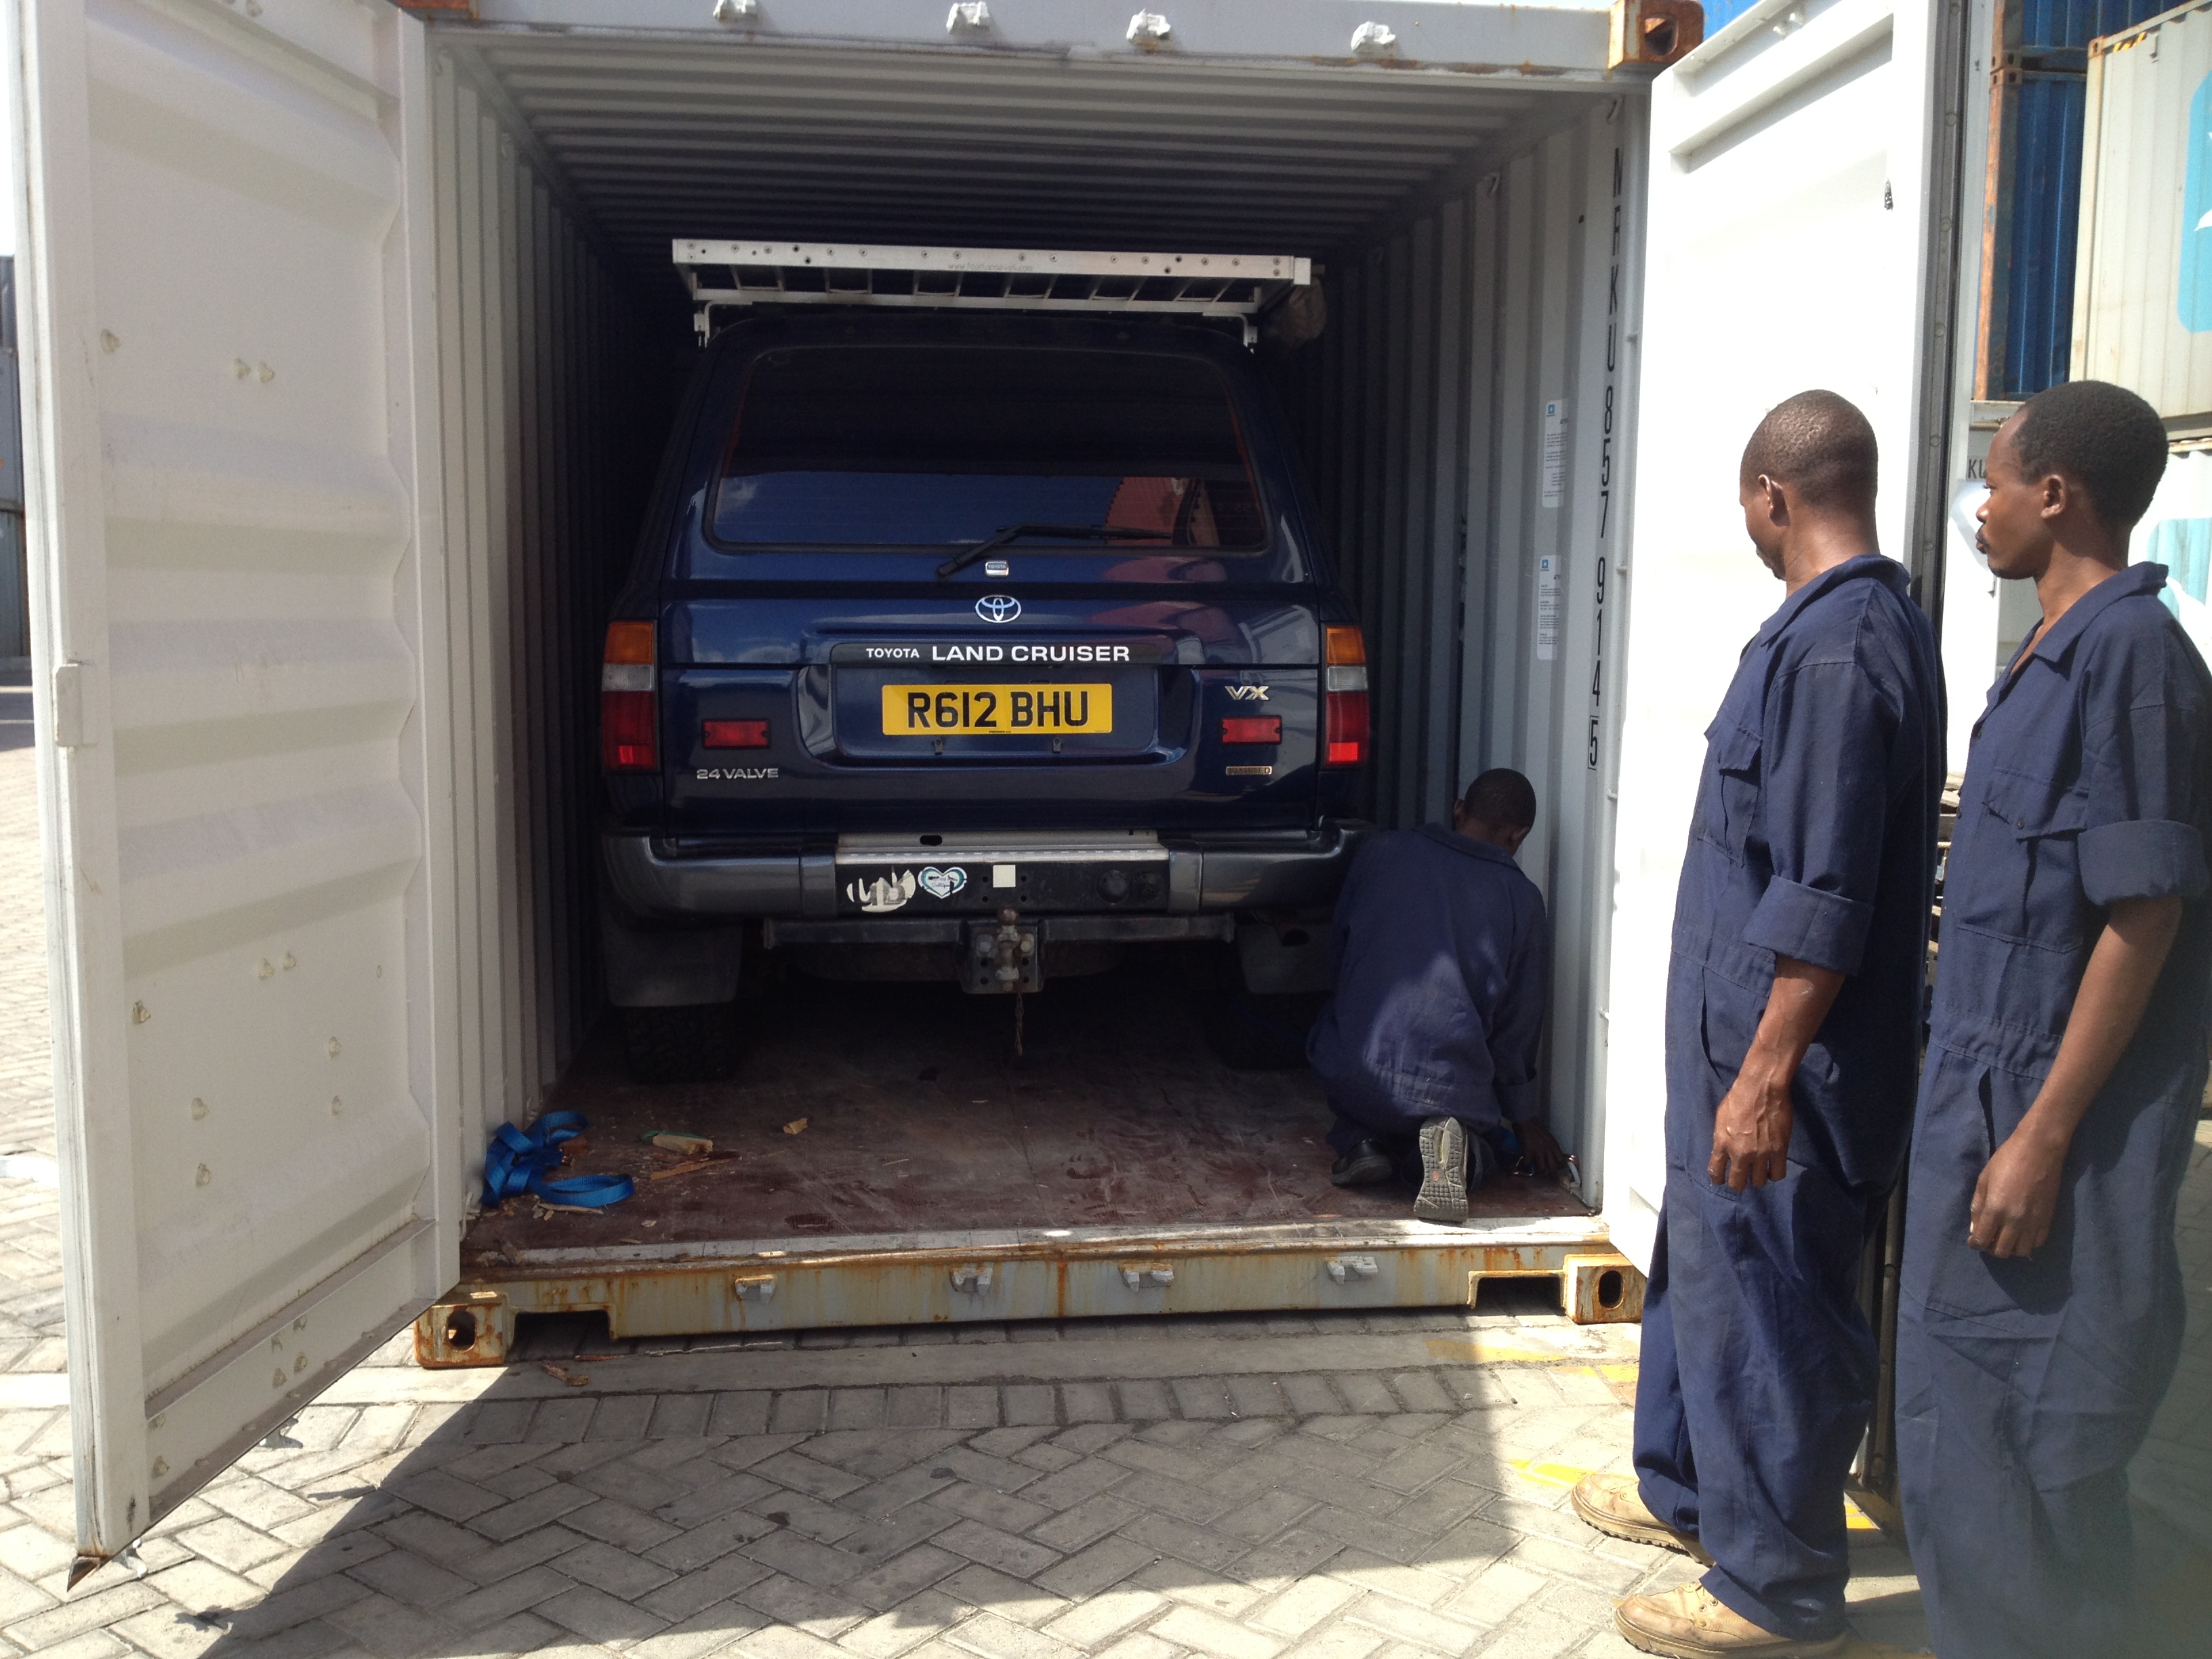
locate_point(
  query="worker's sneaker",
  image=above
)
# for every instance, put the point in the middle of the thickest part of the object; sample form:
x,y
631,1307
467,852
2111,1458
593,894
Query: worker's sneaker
x,y
1614,1504
1363,1166
1687,1622
1443,1196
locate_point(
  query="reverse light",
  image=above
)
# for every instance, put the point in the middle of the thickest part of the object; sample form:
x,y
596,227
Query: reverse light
x,y
1343,698
628,739
735,734
1266,728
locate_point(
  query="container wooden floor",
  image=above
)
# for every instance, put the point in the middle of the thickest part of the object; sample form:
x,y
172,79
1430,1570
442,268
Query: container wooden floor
x,y
918,1118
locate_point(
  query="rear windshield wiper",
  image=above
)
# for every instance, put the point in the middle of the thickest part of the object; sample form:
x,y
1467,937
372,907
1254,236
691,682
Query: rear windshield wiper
x,y
1013,532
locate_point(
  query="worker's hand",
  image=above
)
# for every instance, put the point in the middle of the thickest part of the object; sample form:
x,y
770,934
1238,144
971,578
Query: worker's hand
x,y
1542,1154
1750,1132
2017,1196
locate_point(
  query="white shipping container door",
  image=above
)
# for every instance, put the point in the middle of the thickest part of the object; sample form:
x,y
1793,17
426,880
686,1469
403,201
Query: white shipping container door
x,y
226,281
1795,230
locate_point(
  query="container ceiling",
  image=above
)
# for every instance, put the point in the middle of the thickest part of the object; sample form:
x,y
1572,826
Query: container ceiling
x,y
661,140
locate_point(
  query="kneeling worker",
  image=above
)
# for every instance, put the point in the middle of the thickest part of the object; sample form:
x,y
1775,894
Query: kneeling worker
x,y
1440,961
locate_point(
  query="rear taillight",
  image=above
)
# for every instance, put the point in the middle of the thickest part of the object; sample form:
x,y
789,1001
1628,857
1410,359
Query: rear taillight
x,y
1264,728
629,741
1343,698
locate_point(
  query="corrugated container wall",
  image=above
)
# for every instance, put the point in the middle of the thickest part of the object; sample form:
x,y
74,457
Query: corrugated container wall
x,y
555,397
2143,315
2031,212
1460,401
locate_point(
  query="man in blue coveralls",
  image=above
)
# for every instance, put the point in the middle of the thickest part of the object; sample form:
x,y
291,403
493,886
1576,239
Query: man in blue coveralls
x,y
1793,1018
1440,961
2042,1306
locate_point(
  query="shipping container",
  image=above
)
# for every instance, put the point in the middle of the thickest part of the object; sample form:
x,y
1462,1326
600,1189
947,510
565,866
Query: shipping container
x,y
350,335
2032,204
2143,311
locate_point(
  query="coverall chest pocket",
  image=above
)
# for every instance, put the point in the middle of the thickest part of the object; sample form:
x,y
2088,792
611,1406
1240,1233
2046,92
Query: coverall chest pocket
x,y
2028,882
1728,803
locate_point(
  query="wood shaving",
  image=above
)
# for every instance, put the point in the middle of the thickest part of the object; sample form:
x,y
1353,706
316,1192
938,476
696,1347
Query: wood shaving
x,y
565,1375
686,1169
796,1126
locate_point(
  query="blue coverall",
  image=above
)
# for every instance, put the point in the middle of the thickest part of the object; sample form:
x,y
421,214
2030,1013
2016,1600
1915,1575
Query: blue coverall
x,y
1814,837
1441,962
2024,1385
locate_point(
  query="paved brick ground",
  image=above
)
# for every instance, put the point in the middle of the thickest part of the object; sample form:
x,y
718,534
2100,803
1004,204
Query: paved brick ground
x,y
1376,1487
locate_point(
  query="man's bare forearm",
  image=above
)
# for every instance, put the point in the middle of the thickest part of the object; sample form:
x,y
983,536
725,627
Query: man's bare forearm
x,y
1751,1130
2116,987
2017,1194
1799,1002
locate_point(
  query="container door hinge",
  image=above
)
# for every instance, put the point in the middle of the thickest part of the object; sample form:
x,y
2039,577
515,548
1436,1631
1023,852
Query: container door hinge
x,y
754,1287
972,1281
1142,1278
73,722
1345,1268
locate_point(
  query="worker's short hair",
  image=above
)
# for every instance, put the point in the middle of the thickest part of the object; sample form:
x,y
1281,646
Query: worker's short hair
x,y
2108,438
1501,798
1820,443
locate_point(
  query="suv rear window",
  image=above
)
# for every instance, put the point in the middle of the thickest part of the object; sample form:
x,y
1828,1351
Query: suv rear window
x,y
933,445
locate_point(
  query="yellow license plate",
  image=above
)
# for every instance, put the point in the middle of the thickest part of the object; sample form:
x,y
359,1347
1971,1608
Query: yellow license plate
x,y
996,711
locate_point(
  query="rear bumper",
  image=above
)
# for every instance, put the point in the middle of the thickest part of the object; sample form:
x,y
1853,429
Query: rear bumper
x,y
652,882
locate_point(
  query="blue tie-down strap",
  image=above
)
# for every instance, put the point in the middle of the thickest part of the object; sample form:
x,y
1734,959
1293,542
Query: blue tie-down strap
x,y
517,1162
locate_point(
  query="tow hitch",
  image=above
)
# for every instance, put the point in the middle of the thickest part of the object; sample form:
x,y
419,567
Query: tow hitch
x,y
1001,959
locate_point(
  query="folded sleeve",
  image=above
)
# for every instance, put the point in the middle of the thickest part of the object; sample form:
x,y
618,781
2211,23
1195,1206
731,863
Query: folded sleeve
x,y
2142,735
1826,745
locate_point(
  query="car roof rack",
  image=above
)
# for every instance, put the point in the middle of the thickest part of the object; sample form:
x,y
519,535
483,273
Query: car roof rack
x,y
730,274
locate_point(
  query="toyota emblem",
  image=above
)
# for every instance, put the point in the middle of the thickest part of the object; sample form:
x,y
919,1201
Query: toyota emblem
x,y
998,607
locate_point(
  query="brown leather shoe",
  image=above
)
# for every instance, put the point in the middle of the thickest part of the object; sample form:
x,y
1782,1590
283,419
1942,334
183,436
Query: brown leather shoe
x,y
1611,1504
1687,1622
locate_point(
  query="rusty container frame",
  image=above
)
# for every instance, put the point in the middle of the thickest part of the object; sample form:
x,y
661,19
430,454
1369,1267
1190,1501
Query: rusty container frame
x,y
749,1286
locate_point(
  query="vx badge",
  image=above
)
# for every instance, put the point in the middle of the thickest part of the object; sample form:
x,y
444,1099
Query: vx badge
x,y
998,607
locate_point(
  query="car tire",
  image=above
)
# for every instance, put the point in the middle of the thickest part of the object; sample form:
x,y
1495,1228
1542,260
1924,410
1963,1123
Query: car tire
x,y
1252,1030
693,1044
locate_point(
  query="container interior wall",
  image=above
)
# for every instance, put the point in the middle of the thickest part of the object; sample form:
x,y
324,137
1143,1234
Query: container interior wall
x,y
1464,419
552,409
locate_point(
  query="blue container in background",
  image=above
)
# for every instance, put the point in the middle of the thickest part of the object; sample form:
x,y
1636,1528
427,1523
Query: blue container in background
x,y
2031,211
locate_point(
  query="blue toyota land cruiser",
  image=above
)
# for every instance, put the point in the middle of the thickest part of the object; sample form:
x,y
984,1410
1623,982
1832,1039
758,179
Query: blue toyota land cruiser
x,y
975,646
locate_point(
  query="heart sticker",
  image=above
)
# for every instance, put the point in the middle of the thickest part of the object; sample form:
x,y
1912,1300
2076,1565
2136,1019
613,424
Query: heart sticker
x,y
943,883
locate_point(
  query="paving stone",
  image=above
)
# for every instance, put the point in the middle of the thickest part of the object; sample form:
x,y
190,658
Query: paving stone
x,y
617,1572
689,1593
1029,1404
981,1587
407,1578
507,1596
806,1411
710,1630
739,1414
788,1601
971,1408
511,1521
1086,1402
613,1522
995,1548
1096,1621
1205,1632
914,1406
1143,1400
599,1617
1307,1602
903,1576
1002,1639
922,1616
